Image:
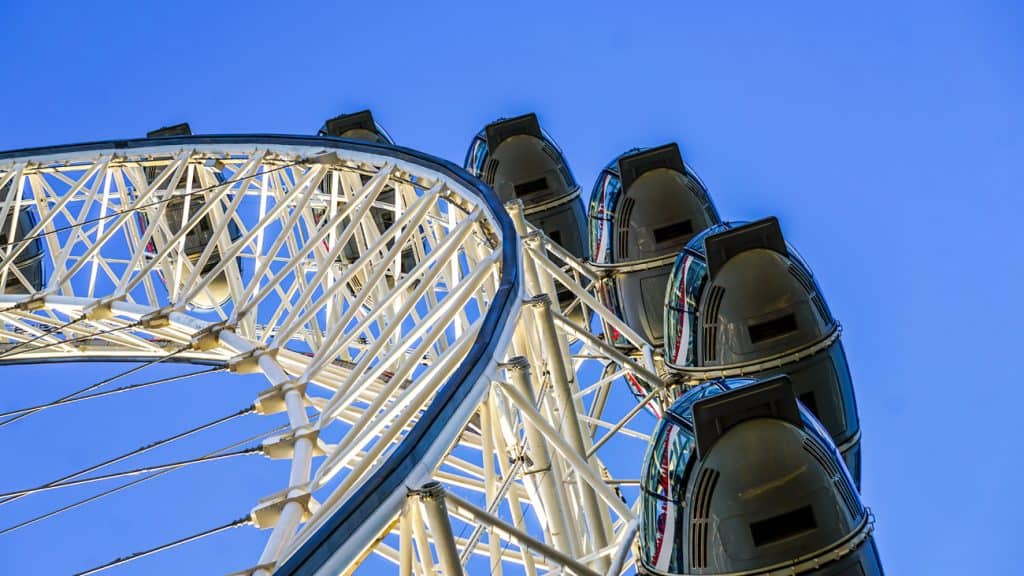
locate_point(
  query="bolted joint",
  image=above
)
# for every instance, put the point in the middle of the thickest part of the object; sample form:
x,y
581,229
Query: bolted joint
x,y
36,302
101,310
513,206
271,400
532,239
516,364
157,319
432,490
268,511
540,301
530,469
283,447
208,338
249,362
324,159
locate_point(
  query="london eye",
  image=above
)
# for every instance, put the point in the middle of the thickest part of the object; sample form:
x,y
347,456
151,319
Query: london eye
x,y
461,370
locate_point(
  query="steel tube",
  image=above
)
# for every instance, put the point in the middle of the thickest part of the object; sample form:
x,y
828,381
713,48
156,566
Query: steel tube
x,y
519,370
524,539
541,306
432,499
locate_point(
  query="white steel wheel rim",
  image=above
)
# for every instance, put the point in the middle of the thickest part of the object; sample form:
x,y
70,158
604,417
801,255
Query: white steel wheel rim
x,y
365,508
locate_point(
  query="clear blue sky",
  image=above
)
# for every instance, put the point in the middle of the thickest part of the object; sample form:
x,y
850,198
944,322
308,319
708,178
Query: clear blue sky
x,y
886,138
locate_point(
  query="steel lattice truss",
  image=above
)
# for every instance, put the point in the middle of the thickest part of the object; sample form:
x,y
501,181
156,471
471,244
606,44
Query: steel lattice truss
x,y
407,325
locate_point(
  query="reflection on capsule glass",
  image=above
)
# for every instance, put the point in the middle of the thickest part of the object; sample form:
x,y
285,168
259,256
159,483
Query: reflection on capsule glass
x,y
26,251
740,298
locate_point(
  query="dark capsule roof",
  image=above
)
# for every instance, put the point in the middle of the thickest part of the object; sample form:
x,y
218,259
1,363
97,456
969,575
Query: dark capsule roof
x,y
357,126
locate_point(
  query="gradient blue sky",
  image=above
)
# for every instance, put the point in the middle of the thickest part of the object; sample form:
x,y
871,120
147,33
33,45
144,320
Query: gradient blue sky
x,y
885,136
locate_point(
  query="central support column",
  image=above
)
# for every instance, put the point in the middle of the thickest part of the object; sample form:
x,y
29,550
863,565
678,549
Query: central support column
x,y
574,434
519,369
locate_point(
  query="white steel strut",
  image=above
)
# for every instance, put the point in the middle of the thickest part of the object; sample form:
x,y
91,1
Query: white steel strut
x,y
434,420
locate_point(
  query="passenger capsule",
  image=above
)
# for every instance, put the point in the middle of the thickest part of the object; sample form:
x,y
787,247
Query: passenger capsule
x,y
27,254
361,126
742,301
200,235
520,161
739,478
645,206
356,126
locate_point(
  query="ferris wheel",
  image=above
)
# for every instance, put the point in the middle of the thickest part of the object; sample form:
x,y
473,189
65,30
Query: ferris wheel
x,y
467,384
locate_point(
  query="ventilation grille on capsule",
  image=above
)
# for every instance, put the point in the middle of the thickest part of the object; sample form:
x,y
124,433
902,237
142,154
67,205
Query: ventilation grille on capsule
x,y
701,510
625,212
490,170
811,289
711,323
564,170
838,478
698,191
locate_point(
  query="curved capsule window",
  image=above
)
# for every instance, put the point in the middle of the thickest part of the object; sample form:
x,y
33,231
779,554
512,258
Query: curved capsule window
x,y
670,451
602,212
476,156
685,284
664,479
664,487
29,260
